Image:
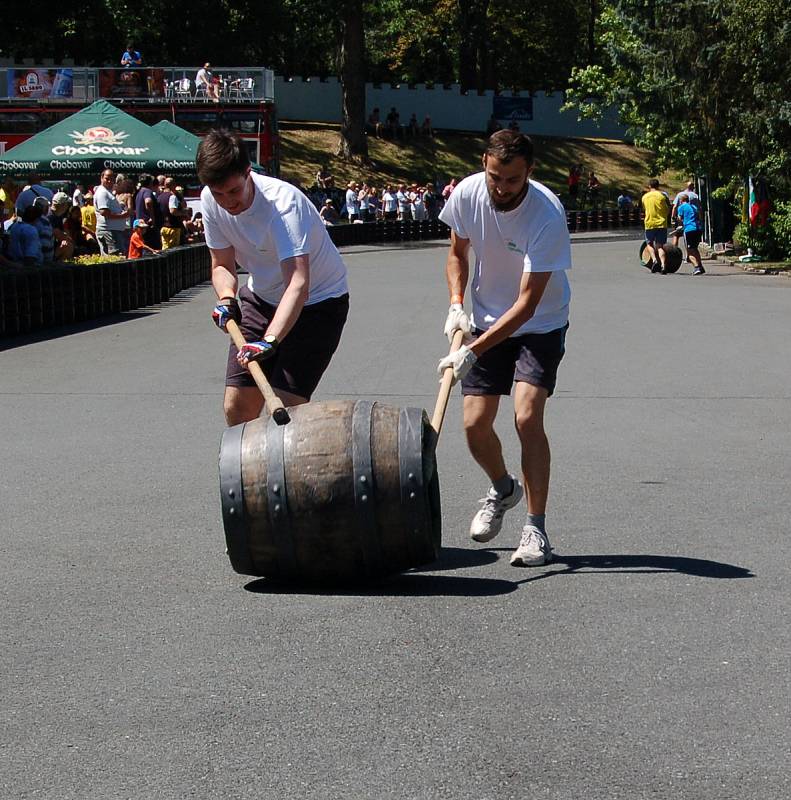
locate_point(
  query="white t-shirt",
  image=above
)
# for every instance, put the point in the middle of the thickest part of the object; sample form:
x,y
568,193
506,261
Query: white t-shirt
x,y
351,202
389,201
693,198
418,209
104,198
78,198
531,238
403,202
281,223
203,77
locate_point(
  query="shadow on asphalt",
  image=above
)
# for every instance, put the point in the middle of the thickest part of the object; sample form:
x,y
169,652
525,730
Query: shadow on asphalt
x,y
640,564
423,583
410,584
69,329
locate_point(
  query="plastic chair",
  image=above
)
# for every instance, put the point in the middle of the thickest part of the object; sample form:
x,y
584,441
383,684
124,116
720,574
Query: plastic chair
x,y
184,90
242,89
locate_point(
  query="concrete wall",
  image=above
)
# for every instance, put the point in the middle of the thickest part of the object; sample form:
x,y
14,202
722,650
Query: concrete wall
x,y
313,100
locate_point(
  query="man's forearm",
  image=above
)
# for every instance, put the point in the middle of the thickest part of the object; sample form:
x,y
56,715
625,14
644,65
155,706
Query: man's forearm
x,y
457,273
224,282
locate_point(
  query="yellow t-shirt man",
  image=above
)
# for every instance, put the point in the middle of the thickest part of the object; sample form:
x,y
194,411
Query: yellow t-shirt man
x,y
656,208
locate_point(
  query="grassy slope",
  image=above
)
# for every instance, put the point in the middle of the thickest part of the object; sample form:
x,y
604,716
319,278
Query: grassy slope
x,y
617,165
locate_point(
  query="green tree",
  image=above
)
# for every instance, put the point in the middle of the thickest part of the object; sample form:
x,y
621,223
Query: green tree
x,y
703,84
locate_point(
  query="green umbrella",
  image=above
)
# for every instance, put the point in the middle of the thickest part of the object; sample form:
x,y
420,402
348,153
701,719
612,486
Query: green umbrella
x,y
176,134
99,137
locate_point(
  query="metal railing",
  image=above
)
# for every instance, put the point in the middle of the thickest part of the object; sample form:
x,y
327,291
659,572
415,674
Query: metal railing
x,y
66,84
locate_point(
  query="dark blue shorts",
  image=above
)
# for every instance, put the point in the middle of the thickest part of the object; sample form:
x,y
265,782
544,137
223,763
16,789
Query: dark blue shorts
x,y
303,356
532,357
693,238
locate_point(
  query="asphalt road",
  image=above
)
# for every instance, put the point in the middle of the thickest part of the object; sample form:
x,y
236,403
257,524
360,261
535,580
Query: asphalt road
x,y
650,660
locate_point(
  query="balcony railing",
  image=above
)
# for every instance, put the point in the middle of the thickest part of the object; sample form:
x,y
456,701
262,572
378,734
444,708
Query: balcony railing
x,y
67,84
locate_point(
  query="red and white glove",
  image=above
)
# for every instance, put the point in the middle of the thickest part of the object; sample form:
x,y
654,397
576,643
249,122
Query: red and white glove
x,y
227,308
257,351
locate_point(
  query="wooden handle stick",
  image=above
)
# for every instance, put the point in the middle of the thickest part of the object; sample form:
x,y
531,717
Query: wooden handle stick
x,y
445,386
274,404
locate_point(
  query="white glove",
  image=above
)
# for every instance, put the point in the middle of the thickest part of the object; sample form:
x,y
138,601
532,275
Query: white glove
x,y
457,321
461,360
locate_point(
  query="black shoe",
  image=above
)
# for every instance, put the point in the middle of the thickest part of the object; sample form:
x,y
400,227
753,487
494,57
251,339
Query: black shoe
x,y
656,267
699,271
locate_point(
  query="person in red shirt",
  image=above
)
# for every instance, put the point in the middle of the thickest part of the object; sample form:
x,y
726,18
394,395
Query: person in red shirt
x,y
136,244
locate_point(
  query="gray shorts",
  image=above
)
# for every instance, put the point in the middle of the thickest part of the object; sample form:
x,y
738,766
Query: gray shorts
x,y
532,357
112,243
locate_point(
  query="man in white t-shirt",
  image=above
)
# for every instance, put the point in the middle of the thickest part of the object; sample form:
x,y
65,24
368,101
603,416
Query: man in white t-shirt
x,y
520,309
205,79
294,306
404,205
389,204
111,217
352,203
418,206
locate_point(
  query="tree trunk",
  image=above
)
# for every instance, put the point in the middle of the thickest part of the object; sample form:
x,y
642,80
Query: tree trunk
x,y
353,144
467,46
474,55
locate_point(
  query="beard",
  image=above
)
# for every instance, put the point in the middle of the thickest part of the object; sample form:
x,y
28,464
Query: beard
x,y
509,203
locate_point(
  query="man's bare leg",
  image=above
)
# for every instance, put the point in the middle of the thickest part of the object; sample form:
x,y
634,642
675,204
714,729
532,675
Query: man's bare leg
x,y
505,493
534,549
244,403
529,402
485,446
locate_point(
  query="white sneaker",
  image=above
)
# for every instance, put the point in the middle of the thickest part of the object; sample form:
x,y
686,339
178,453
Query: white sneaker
x,y
534,549
487,522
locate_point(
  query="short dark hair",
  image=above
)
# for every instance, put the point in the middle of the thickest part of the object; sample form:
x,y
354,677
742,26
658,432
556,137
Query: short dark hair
x,y
221,155
654,183
144,179
507,145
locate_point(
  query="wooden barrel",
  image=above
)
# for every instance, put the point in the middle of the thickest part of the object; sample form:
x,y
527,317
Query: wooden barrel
x,y
346,491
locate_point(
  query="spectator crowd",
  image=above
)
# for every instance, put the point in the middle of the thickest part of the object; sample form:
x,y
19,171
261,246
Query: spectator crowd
x,y
364,202
118,216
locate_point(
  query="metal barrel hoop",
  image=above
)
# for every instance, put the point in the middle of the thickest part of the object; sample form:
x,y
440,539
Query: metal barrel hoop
x,y
237,537
365,487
